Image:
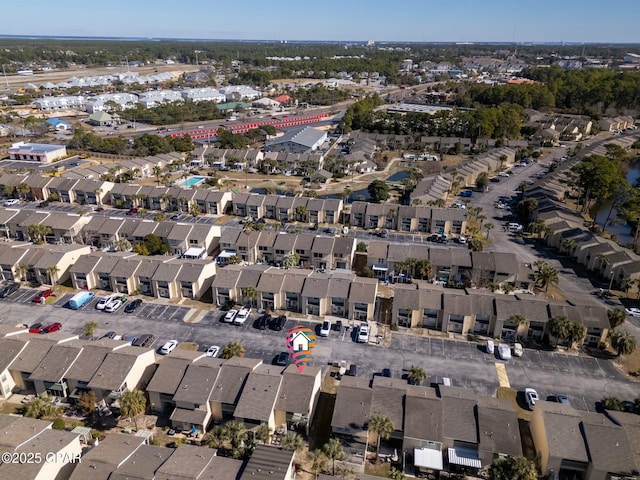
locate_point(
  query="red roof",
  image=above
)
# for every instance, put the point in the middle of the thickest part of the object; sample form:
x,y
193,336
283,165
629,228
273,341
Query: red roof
x,y
283,99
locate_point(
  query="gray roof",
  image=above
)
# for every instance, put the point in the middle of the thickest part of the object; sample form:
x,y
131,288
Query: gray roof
x,y
87,363
126,268
562,427
458,407
316,285
498,427
296,389
167,272
258,396
608,445
353,404
108,454
114,369
294,280
231,379
187,462
388,399
272,280
168,375
9,350
143,463
226,277
363,290
31,355
222,468
423,414
268,463
197,384
15,430
55,364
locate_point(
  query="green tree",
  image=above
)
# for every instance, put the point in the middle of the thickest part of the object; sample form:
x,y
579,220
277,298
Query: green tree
x,y
416,375
232,349
151,245
361,247
559,328
624,343
482,182
215,438
291,260
292,441
122,245
194,210
21,270
159,217
383,427
318,461
251,293
89,329
37,232
545,275
396,474
87,402
235,432
598,178
612,403
577,333
512,468
263,433
52,273
378,191
22,190
334,451
132,404
617,316
41,406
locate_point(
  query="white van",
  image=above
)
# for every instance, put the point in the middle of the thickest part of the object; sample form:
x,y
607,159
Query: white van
x,y
514,227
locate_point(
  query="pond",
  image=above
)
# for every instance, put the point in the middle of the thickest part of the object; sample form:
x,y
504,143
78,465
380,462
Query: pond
x,y
354,195
398,176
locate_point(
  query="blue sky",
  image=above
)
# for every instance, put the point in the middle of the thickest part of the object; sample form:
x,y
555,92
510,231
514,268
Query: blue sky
x,y
409,20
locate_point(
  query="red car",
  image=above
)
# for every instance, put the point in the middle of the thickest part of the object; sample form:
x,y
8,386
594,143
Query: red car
x,y
35,328
43,295
133,211
54,327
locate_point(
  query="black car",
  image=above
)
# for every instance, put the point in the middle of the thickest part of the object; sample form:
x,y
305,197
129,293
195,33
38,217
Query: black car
x,y
278,323
386,373
144,340
338,326
131,307
9,290
264,321
282,359
43,204
110,335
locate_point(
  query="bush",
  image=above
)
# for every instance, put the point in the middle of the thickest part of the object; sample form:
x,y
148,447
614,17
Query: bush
x,y
394,328
58,424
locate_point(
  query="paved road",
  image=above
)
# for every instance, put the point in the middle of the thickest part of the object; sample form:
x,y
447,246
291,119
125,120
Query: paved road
x,y
585,380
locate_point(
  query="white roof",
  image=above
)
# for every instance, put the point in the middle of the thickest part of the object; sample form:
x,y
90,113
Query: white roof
x,y
427,458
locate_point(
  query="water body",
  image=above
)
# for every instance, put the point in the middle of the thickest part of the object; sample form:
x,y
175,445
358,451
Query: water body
x,y
619,228
397,177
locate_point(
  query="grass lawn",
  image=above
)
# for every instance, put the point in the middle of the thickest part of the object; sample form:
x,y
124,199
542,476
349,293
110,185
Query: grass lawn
x,y
381,469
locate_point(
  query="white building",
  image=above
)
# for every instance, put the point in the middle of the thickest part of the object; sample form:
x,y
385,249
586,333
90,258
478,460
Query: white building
x,y
38,152
242,91
157,97
206,94
303,140
60,103
125,100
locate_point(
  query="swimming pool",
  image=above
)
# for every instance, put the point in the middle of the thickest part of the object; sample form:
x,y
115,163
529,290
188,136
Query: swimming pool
x,y
191,181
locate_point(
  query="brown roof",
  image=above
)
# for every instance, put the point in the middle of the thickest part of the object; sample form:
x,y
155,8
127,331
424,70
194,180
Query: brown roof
x,y
258,396
187,462
168,375
143,463
197,384
353,405
388,399
297,389
55,364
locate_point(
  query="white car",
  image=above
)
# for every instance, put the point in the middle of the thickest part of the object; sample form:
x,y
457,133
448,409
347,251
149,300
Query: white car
x,y
11,202
633,311
518,350
104,301
230,316
114,305
503,174
325,329
462,240
213,351
504,351
363,333
531,396
242,316
168,347
489,347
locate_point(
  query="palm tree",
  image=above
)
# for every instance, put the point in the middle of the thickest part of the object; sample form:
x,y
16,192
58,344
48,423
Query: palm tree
x,y
518,320
577,332
215,438
559,328
90,328
157,172
250,292
318,460
510,468
383,428
263,433
545,275
21,270
37,232
194,210
488,227
334,451
159,217
416,375
567,246
624,343
292,441
612,403
98,193
122,245
52,273
232,349
396,474
235,432
132,404
23,189
41,406
617,316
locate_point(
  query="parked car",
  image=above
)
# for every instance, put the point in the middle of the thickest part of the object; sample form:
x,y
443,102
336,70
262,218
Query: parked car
x,y
466,193
503,174
131,307
633,311
562,398
144,340
110,335
11,202
504,351
531,396
54,327
168,347
43,204
241,316
43,295
386,372
9,289
325,329
384,234
213,351
264,321
282,360
363,333
104,301
353,370
115,304
230,316
132,211
518,350
130,339
35,328
338,326
279,323
489,347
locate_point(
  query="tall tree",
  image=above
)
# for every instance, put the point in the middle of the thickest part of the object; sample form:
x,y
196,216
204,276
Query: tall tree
x,y
624,343
334,451
545,275
132,404
512,468
378,191
617,317
416,375
251,293
559,328
383,427
318,460
89,329
292,441
232,349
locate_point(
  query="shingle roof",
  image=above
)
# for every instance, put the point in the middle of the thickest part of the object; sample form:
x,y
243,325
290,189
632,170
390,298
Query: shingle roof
x,y
15,430
258,396
353,404
423,414
230,383
498,429
114,369
296,389
608,445
187,462
222,468
562,427
143,463
87,363
55,364
268,463
388,399
168,375
9,350
197,384
31,355
458,407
